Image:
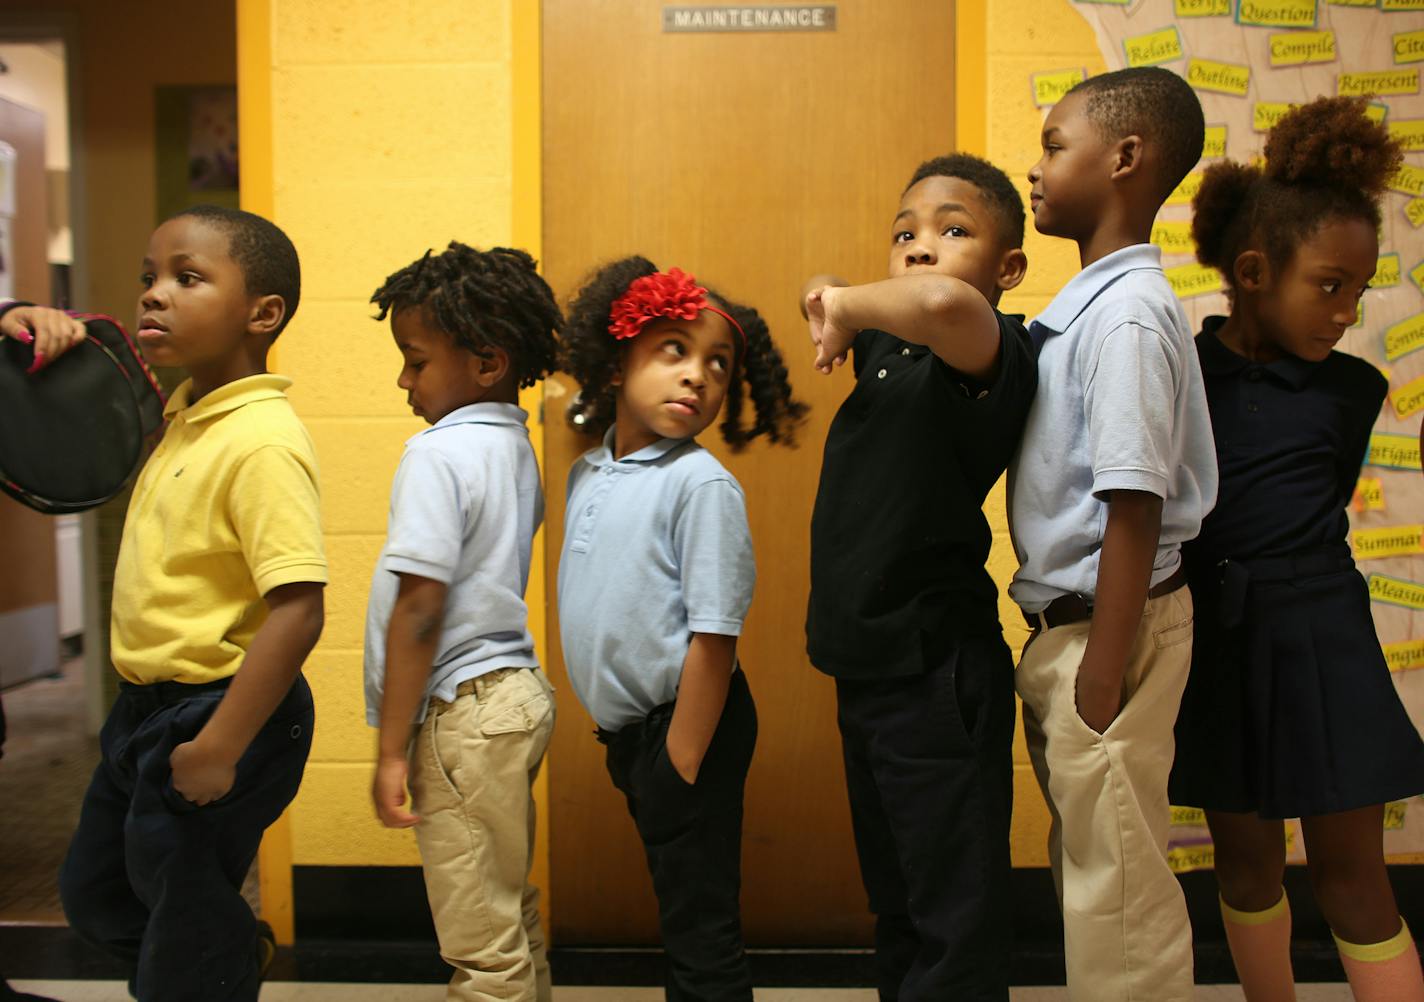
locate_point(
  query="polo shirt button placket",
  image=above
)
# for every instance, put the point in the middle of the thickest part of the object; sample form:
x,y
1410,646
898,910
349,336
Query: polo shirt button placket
x,y
880,374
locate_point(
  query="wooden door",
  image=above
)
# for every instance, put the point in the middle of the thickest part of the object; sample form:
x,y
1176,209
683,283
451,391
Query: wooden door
x,y
751,161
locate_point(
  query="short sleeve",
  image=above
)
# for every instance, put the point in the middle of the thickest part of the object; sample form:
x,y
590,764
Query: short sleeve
x,y
275,509
1130,406
1017,379
430,505
988,418
715,561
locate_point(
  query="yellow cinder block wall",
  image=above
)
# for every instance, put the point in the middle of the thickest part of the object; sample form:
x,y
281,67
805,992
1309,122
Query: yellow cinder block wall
x,y
1023,37
391,131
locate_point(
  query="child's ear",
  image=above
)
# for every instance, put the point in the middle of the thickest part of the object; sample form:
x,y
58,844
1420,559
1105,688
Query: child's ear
x,y
1251,271
491,367
1012,268
268,312
1127,157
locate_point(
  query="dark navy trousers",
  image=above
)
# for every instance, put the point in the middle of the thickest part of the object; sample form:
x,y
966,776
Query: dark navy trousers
x,y
157,880
929,768
692,835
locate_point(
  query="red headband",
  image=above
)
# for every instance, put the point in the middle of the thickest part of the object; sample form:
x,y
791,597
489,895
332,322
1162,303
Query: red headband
x,y
671,295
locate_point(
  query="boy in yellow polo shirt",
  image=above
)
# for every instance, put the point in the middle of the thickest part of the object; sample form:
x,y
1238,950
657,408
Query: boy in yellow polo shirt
x,y
217,602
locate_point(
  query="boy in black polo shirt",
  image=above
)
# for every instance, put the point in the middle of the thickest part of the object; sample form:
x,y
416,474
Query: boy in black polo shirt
x,y
903,614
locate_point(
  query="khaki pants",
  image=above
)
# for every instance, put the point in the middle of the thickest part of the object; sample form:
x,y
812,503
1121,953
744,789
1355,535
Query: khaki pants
x,y
1126,934
471,767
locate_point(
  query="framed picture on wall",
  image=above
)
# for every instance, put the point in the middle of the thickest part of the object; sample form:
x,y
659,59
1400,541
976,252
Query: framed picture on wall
x,y
196,141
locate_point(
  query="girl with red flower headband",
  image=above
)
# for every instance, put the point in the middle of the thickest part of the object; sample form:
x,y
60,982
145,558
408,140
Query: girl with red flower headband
x,y
655,579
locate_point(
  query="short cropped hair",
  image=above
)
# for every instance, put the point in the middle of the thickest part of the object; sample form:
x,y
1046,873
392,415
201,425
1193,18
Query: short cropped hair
x,y
262,251
1155,104
1003,198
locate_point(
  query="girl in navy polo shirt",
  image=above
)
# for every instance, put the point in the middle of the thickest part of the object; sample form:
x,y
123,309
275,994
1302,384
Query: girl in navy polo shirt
x,y
1290,710
655,579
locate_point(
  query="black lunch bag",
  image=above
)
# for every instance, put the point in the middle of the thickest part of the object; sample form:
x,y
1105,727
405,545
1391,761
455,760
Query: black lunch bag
x,y
75,433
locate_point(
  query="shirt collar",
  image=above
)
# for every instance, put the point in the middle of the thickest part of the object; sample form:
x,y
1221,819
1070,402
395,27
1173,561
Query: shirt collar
x,y
603,455
225,398
1074,298
483,413
1219,360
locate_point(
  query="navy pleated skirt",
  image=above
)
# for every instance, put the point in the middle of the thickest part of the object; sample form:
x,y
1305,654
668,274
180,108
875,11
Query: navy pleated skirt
x,y
1293,712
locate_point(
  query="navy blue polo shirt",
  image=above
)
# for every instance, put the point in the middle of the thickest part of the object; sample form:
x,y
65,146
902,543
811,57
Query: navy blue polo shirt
x,y
898,534
1290,438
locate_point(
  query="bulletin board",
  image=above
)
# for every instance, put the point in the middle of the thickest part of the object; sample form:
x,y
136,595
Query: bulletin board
x,y
1249,61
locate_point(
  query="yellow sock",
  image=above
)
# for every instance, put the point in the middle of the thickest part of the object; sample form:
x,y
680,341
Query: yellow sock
x,y
1260,948
1383,972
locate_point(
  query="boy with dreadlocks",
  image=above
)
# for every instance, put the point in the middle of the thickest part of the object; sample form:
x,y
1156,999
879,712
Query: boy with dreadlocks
x,y
452,681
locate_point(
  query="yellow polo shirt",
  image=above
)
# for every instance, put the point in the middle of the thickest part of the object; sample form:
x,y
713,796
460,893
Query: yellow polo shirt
x,y
225,510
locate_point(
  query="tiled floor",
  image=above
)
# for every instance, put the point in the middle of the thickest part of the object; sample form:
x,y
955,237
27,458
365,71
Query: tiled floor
x,y
105,991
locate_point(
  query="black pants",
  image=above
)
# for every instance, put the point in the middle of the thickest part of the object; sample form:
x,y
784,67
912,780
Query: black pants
x,y
929,767
693,838
156,880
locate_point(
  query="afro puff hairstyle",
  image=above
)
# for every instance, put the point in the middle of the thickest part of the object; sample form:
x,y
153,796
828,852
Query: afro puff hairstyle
x,y
1325,160
484,300
590,354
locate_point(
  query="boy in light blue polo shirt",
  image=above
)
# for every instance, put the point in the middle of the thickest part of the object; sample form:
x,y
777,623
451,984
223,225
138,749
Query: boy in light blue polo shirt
x,y
1116,469
465,714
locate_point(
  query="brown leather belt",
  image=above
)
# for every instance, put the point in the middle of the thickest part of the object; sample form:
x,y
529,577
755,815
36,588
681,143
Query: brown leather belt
x,y
1068,609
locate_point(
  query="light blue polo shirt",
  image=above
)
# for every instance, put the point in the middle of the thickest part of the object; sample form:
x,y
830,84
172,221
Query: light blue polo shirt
x,y
465,504
656,548
1120,406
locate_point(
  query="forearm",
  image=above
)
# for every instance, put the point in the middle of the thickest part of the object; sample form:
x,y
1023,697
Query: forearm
x,y
944,314
1124,577
701,695
411,641
271,665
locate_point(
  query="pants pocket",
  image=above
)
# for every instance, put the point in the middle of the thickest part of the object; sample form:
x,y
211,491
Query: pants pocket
x,y
517,704
1171,636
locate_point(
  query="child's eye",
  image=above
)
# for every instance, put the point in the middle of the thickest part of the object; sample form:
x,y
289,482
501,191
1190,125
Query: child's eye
x,y
146,279
720,363
675,347
1331,287
956,231
902,236
187,278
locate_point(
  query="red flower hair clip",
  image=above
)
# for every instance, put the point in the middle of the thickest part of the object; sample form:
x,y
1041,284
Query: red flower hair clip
x,y
670,295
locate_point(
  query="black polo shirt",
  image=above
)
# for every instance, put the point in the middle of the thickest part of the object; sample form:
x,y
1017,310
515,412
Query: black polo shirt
x,y
898,534
1290,438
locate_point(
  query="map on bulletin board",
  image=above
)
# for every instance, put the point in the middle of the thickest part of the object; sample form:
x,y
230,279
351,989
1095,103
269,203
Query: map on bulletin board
x,y
1249,61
